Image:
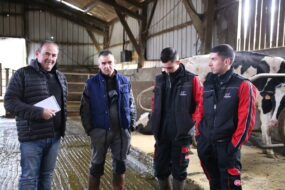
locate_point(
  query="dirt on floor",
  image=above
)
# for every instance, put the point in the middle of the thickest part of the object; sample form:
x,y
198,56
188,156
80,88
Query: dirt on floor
x,y
259,172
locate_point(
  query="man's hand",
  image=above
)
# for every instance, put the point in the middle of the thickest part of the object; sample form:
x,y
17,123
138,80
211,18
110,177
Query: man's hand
x,y
48,114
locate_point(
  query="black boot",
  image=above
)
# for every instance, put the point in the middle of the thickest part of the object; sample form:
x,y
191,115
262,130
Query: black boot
x,y
178,185
93,183
118,181
165,184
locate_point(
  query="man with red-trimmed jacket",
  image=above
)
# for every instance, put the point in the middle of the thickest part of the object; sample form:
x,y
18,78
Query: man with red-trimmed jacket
x,y
177,107
229,116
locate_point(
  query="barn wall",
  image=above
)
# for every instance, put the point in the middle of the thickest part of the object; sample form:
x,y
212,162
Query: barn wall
x,y
76,47
168,14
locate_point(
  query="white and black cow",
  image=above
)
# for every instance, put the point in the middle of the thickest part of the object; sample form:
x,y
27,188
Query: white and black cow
x,y
249,64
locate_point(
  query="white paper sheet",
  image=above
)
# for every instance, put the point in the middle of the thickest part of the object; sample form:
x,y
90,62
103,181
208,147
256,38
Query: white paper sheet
x,y
49,103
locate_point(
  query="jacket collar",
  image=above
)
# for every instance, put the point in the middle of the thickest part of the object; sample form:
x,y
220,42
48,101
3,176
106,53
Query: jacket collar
x,y
102,76
36,65
226,77
180,72
214,79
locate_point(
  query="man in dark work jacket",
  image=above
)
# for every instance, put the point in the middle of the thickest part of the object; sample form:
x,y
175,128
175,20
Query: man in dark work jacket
x,y
229,116
39,129
177,107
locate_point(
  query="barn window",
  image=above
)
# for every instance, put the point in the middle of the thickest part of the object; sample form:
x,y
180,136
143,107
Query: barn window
x,y
260,24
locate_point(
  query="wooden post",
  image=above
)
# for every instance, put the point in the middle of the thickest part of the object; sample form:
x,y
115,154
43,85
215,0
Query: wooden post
x,y
209,22
143,37
7,76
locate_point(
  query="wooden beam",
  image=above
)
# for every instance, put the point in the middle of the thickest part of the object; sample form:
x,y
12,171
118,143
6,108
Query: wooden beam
x,y
209,22
177,27
135,3
143,37
219,7
195,17
128,30
69,13
95,42
151,14
123,9
90,5
107,36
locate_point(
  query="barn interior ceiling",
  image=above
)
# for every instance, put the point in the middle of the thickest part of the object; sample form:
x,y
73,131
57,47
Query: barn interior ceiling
x,y
104,9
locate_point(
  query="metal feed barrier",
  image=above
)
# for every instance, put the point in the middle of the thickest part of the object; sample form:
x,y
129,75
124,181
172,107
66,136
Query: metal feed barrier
x,y
281,118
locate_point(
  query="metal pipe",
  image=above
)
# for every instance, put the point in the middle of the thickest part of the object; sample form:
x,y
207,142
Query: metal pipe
x,y
267,75
262,146
139,98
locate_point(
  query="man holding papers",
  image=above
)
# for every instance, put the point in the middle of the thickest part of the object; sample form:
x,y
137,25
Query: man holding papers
x,y
37,95
108,113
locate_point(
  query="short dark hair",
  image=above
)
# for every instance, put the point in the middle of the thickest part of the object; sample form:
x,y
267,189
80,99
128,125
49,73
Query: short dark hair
x,y
46,42
168,54
105,53
225,51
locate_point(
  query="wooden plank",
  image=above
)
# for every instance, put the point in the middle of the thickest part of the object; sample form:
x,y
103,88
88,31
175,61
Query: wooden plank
x,y
273,36
280,41
135,3
263,25
267,29
90,5
242,37
123,9
257,24
251,26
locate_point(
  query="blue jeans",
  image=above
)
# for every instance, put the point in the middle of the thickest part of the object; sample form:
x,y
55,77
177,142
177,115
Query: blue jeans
x,y
38,159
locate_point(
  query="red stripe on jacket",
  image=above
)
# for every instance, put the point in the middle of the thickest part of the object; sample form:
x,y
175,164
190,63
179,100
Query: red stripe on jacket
x,y
197,94
246,113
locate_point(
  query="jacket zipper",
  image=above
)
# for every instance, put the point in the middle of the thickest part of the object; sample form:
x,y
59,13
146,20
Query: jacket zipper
x,y
168,76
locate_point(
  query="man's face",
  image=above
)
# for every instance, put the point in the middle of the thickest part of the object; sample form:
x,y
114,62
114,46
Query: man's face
x,y
218,65
170,66
47,56
107,64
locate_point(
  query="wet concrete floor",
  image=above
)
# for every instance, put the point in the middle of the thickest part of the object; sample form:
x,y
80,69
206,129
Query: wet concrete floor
x,y
72,165
73,161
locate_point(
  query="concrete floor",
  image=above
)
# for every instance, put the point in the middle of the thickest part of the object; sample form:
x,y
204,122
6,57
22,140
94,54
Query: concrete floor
x,y
259,171
72,165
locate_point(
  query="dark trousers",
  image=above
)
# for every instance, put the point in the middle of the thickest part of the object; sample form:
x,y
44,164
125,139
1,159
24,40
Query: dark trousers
x,y
171,157
222,169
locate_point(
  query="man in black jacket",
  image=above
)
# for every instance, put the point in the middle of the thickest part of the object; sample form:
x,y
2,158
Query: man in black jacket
x,y
177,107
39,129
229,116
